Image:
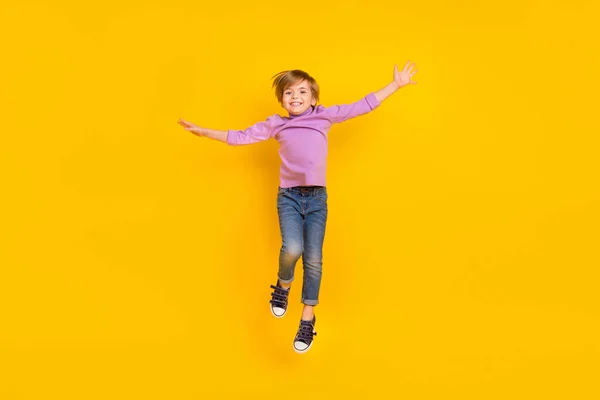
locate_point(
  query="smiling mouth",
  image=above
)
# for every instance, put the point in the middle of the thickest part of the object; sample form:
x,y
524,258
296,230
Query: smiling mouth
x,y
295,104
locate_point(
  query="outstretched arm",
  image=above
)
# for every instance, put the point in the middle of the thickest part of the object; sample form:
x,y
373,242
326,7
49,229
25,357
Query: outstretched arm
x,y
256,133
209,133
401,78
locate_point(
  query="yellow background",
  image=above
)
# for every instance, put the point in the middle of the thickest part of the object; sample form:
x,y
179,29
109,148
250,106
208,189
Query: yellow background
x,y
461,255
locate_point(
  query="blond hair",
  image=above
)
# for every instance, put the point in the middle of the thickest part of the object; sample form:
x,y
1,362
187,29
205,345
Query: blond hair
x,y
285,79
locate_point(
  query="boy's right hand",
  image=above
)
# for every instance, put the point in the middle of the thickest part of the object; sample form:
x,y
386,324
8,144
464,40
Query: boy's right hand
x,y
196,130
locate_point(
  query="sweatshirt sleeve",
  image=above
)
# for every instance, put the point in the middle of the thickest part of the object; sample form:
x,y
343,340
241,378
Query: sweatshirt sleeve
x,y
344,112
253,134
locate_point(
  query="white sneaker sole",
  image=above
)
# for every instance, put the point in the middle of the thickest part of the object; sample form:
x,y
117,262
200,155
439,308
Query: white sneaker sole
x,y
275,315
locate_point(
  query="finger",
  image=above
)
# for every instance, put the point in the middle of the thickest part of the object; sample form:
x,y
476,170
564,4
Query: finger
x,y
414,72
406,66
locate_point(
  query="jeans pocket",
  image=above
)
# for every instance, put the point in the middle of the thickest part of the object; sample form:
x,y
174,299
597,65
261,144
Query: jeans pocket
x,y
322,197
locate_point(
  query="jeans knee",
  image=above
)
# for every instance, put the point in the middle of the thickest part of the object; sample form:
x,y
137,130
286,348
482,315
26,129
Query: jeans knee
x,y
313,269
313,262
292,251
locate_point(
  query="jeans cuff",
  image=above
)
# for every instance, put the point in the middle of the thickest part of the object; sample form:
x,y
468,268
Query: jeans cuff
x,y
286,281
310,302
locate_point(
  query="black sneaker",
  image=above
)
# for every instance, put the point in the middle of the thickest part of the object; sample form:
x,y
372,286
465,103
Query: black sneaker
x,y
279,300
304,337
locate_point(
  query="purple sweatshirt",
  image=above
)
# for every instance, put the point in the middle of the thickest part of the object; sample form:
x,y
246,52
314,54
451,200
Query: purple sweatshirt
x,y
302,139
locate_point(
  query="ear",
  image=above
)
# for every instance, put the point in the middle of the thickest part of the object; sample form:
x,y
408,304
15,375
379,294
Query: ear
x,y
313,102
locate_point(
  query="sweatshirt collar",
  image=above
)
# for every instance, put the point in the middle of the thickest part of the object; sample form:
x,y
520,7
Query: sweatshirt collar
x,y
308,111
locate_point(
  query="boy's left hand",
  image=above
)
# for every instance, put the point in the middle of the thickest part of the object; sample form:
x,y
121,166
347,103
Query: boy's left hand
x,y
403,78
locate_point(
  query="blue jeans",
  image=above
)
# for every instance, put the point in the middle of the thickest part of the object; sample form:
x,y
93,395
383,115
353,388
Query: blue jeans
x,y
302,212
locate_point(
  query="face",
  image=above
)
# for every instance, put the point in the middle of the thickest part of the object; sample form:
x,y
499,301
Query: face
x,y
298,98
